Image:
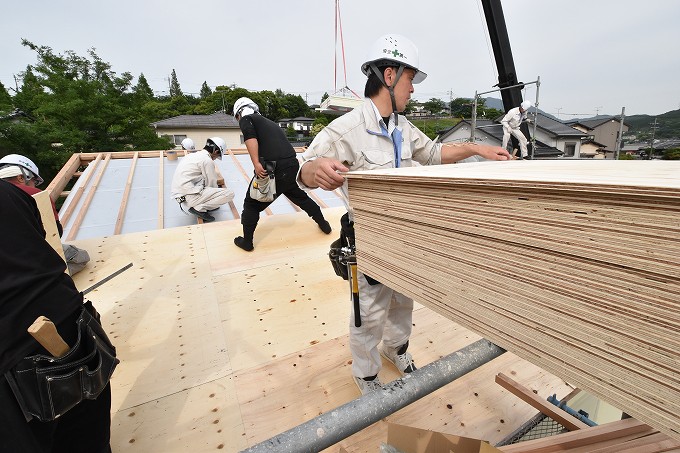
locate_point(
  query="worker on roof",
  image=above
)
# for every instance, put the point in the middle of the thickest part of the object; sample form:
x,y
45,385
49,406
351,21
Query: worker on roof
x,y
23,173
194,183
36,387
188,145
511,126
375,136
273,157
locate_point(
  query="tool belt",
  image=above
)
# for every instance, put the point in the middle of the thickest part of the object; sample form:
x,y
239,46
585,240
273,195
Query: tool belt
x,y
340,257
46,387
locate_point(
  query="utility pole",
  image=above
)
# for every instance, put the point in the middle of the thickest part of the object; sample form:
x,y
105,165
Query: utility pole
x,y
597,110
620,137
450,93
651,143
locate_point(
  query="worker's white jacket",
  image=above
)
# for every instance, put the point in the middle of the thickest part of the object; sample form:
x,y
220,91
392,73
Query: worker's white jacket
x,y
194,172
360,140
513,118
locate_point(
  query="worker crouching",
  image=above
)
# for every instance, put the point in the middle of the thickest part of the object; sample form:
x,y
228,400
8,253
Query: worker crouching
x,y
194,184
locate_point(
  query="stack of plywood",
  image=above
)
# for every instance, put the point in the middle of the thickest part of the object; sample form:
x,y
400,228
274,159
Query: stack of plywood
x,y
572,265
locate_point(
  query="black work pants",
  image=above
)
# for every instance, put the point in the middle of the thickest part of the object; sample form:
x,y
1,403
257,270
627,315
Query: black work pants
x,y
285,185
86,428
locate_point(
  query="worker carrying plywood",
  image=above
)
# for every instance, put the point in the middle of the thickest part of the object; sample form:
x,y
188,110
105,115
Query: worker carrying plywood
x,y
374,136
48,401
194,183
274,162
511,123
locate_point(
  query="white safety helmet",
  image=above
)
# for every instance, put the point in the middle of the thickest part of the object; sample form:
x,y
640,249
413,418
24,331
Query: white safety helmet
x,y
526,105
29,169
188,144
216,142
245,106
394,50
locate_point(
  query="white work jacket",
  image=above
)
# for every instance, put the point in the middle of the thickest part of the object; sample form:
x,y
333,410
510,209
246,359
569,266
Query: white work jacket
x,y
513,118
194,172
361,141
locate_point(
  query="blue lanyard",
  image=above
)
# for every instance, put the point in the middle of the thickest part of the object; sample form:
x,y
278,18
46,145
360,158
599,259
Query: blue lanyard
x,y
397,139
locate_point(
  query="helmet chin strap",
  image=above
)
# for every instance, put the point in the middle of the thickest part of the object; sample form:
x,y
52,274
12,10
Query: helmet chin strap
x,y
400,71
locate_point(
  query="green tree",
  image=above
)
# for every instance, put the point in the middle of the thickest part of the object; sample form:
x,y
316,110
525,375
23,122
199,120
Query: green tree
x,y
324,97
175,90
205,90
142,90
671,154
410,106
434,106
461,107
5,99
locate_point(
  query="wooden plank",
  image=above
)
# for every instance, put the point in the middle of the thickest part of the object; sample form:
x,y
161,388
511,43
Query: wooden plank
x,y
86,204
161,189
126,196
44,203
546,408
653,443
59,182
79,192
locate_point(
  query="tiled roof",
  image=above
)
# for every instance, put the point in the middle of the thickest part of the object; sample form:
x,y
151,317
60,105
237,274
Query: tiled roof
x,y
216,120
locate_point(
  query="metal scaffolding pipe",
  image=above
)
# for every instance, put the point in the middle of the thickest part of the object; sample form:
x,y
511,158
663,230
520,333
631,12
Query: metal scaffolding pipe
x,y
330,428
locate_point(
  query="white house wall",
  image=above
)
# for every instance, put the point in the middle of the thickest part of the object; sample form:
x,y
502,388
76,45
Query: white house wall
x,y
231,136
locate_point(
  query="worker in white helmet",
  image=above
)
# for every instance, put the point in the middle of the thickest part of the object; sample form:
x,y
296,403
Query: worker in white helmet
x,y
188,145
194,183
273,157
23,173
511,126
374,136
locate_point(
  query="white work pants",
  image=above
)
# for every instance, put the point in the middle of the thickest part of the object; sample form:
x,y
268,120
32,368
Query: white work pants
x,y
385,315
519,136
209,198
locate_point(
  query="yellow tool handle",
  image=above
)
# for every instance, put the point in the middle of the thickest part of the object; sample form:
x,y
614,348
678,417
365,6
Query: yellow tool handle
x,y
45,332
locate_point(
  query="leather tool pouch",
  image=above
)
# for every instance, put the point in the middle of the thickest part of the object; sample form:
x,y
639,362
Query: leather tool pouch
x,y
46,387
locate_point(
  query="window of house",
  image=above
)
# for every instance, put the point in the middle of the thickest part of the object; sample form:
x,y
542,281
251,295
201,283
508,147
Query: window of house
x,y
569,149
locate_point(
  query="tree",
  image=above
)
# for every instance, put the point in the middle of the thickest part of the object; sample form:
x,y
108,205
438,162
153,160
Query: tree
x,y
205,90
324,97
5,99
175,90
461,107
142,90
434,106
671,154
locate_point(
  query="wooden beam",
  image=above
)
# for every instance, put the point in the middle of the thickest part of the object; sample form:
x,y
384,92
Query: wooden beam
x,y
546,408
86,204
79,192
55,188
126,196
44,203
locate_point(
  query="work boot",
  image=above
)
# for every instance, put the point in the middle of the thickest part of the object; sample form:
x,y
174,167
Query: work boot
x,y
202,215
400,358
368,385
324,225
241,242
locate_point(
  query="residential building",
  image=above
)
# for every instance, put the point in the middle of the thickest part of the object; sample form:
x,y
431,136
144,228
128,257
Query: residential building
x,y
302,125
604,130
200,128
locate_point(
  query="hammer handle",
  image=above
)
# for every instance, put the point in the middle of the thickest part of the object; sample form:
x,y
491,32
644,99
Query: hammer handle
x,y
45,332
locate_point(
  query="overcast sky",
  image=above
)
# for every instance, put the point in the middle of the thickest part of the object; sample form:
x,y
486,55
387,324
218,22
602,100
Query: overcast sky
x,y
592,56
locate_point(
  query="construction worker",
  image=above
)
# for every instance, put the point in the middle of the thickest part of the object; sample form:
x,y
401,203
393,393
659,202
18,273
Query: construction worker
x,y
23,173
194,184
375,136
188,145
33,283
511,123
271,152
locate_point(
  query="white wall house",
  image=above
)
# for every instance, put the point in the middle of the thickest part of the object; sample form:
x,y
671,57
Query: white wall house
x,y
200,128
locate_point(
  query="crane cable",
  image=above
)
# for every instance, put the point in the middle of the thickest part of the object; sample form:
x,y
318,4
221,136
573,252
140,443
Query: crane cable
x,y
338,25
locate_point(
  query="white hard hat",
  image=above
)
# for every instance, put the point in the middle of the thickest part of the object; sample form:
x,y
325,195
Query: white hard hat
x,y
391,49
526,105
220,143
188,144
25,163
244,103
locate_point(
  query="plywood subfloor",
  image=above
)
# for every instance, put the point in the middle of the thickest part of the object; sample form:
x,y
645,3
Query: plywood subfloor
x,y
221,349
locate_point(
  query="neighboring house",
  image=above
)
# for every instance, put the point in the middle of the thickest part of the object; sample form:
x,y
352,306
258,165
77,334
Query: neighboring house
x,y
302,125
603,130
200,128
592,149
